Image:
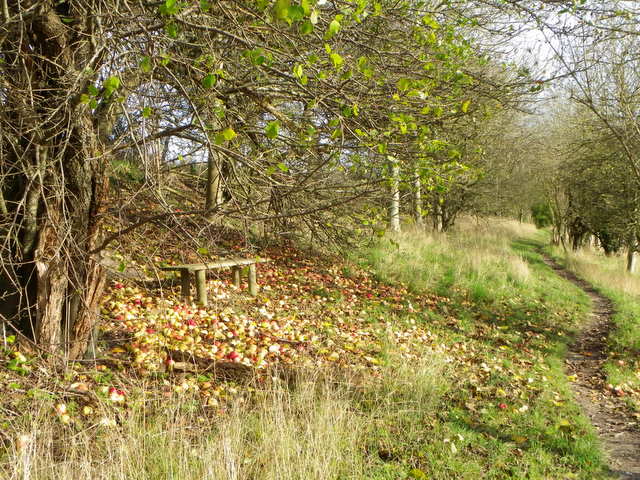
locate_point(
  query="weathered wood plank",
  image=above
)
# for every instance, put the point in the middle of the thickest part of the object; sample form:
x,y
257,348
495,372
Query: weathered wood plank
x,y
194,267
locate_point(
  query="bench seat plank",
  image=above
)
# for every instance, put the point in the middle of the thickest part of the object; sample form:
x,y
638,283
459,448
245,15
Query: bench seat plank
x,y
233,262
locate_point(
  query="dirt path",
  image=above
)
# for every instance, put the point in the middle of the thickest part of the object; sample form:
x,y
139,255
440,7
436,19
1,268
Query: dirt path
x,y
618,430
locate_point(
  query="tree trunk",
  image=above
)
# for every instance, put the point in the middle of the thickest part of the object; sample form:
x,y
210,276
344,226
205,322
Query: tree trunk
x,y
394,208
57,183
69,280
214,197
438,224
632,260
632,254
417,200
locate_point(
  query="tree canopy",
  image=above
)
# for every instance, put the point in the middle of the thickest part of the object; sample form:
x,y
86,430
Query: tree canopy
x,y
293,117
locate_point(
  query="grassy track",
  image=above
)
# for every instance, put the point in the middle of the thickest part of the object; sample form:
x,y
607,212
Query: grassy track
x,y
507,325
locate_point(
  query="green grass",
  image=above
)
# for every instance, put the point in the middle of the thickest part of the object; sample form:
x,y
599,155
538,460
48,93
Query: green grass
x,y
505,322
608,275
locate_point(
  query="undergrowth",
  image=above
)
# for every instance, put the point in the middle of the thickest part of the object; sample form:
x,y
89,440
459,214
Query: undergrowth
x,y
465,383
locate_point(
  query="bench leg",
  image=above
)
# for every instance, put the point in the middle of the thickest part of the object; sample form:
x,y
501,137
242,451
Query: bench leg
x,y
253,281
236,276
201,287
185,283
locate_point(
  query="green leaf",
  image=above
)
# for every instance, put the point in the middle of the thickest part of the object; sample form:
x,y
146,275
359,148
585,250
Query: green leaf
x,y
170,7
272,128
147,112
11,339
145,64
93,104
205,6
15,365
431,22
298,71
93,91
84,98
112,83
295,13
229,134
209,81
337,60
281,10
334,27
171,29
404,84
465,106
306,28
282,167
203,251
256,56
225,135
122,267
306,7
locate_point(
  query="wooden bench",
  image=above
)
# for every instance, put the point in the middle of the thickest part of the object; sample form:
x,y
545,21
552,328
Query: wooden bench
x,y
200,271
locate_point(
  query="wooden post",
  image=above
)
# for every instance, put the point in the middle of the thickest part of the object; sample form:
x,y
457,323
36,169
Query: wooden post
x,y
201,287
236,276
185,282
253,283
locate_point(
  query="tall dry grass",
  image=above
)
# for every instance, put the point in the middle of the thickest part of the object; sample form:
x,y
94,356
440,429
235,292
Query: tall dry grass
x,y
318,429
596,267
477,255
